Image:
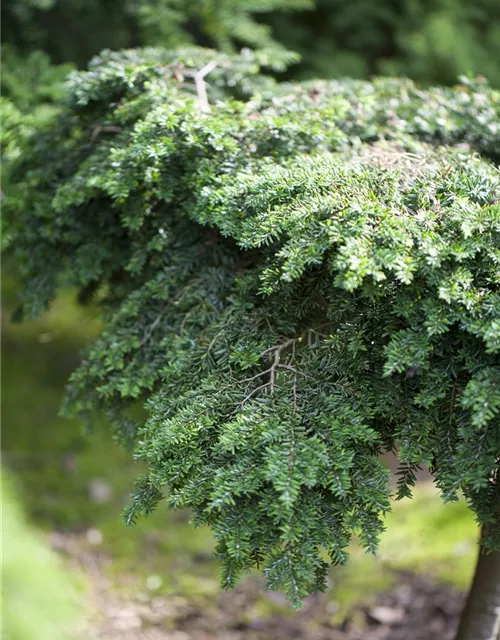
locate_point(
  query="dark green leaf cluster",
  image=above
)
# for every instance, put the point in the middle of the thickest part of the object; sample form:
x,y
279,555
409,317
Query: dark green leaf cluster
x,y
296,278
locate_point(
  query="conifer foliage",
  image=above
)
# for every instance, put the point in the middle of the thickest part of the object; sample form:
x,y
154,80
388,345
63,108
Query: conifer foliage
x,y
295,279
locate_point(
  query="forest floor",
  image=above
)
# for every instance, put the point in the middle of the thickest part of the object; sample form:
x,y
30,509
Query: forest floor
x,y
414,608
158,580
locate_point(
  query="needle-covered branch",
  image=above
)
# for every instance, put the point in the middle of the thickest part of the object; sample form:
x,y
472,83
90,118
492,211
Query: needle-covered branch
x,y
295,281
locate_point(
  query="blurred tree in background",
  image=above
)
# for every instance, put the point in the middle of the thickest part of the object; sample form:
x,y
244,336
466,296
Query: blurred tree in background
x,y
432,41
75,30
429,41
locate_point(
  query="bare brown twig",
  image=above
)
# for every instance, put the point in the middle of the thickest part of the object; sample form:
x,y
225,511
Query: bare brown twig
x,y
277,350
96,131
150,329
201,88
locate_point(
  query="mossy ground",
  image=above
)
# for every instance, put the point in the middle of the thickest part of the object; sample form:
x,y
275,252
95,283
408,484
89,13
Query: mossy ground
x,y
31,612
56,464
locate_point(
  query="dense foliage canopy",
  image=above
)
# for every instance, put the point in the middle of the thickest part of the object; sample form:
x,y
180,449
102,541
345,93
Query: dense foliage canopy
x,y
296,278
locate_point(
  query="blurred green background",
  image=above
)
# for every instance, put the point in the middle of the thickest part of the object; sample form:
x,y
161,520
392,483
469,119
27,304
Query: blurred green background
x,y
429,40
64,488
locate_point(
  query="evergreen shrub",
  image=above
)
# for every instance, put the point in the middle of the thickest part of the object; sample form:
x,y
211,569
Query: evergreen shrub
x,y
295,278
